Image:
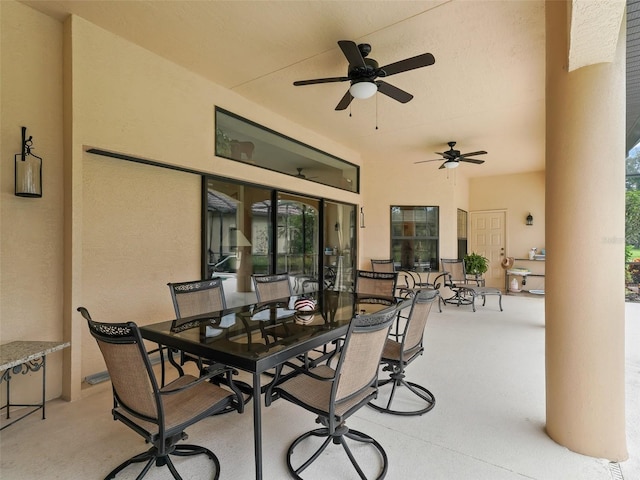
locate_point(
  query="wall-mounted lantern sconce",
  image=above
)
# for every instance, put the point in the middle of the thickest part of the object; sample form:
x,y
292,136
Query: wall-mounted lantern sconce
x,y
28,181
361,217
529,219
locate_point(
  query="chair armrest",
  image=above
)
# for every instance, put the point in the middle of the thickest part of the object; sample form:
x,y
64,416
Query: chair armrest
x,y
443,276
309,373
213,370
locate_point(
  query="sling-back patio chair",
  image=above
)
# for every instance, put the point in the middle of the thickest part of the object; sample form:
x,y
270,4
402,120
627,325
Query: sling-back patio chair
x,y
196,298
397,395
335,395
272,287
159,415
385,265
382,284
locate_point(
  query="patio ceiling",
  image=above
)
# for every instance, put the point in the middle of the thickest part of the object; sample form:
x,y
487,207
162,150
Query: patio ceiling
x,y
486,90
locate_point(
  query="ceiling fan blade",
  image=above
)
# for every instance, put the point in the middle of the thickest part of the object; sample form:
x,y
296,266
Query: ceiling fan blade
x,y
320,80
442,166
433,160
393,92
446,155
473,154
352,52
471,160
412,63
345,101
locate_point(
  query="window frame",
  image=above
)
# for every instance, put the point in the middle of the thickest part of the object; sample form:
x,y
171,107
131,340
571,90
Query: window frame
x,y
410,238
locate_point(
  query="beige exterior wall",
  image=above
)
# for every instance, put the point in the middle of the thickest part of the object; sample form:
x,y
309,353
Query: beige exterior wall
x,y
390,182
518,195
31,229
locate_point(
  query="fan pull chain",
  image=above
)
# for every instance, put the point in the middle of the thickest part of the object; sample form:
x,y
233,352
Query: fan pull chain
x,y
376,112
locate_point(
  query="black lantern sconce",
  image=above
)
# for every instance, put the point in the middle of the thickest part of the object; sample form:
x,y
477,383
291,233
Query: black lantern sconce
x,y
529,220
361,217
28,181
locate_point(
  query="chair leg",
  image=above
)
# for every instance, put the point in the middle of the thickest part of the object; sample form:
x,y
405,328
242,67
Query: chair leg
x,y
338,437
152,457
397,381
149,456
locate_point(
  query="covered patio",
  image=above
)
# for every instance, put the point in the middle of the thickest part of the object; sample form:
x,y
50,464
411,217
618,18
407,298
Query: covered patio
x,y
110,234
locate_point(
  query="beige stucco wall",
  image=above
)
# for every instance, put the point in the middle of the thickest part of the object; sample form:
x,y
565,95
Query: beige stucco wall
x,y
389,182
518,195
31,235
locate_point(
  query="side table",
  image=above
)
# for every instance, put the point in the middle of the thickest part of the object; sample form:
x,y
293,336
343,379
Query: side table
x,y
24,357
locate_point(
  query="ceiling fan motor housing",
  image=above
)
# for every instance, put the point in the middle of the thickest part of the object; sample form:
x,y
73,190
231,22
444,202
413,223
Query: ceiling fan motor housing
x,y
368,72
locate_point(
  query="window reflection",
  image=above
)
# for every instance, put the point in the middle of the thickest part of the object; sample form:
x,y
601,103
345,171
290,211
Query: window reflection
x,y
244,235
244,141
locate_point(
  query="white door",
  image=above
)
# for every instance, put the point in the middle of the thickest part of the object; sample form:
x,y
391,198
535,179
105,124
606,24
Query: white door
x,y
488,239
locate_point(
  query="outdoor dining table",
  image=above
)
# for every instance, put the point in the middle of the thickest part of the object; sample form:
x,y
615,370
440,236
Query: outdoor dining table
x,y
235,337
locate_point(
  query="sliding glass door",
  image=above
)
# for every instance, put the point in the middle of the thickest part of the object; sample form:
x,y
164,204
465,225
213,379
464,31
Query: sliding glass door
x,y
311,239
298,238
339,245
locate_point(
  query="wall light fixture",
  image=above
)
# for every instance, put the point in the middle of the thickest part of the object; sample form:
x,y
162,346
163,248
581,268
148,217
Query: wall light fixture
x,y
28,173
529,219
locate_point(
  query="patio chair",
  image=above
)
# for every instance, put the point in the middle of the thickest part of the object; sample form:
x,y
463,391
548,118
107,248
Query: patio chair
x,y
465,290
335,395
272,287
196,298
410,282
400,350
382,284
383,265
159,415
454,277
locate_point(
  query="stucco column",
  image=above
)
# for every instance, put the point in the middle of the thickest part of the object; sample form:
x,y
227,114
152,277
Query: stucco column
x,y
585,115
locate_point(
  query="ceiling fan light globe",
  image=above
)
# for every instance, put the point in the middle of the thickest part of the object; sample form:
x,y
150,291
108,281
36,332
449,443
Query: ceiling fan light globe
x,y
451,164
363,90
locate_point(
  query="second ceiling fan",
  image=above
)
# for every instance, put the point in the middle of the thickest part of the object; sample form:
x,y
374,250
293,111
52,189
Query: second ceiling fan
x,y
363,72
452,158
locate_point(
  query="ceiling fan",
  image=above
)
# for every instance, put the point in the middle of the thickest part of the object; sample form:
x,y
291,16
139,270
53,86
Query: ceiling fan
x,y
363,72
452,158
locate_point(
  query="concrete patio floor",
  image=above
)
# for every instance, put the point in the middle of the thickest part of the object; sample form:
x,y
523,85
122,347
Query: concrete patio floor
x,y
486,370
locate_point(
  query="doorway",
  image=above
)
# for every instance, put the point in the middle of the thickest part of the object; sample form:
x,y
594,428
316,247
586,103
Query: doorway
x,y
488,238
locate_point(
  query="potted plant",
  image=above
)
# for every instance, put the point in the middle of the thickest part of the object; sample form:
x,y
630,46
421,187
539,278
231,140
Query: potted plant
x,y
475,264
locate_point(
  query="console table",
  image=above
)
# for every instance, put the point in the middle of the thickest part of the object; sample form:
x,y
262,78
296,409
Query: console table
x,y
537,265
24,357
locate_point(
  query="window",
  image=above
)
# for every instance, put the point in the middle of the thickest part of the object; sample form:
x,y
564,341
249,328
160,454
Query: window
x,y
462,234
415,237
244,141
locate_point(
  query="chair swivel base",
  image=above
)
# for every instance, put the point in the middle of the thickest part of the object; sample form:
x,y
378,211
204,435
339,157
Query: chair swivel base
x,y
397,381
152,456
462,296
338,437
